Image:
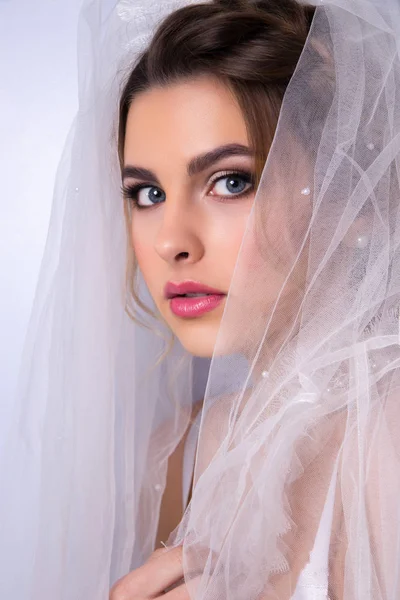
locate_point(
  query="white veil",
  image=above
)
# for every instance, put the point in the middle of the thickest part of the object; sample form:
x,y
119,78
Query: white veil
x,y
302,391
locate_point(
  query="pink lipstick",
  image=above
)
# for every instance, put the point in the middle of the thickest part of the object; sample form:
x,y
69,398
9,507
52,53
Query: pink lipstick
x,y
192,299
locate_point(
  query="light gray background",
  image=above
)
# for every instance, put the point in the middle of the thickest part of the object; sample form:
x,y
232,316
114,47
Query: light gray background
x,y
38,99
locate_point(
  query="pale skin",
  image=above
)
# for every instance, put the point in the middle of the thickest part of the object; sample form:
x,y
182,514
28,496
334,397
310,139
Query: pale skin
x,y
166,129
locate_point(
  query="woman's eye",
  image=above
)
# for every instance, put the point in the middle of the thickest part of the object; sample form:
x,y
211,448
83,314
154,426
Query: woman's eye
x,y
231,185
148,196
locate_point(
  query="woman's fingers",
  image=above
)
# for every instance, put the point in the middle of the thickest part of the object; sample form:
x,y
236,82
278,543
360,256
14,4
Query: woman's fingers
x,y
161,571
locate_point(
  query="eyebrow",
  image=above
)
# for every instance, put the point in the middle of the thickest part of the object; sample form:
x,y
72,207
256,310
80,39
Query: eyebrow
x,y
196,165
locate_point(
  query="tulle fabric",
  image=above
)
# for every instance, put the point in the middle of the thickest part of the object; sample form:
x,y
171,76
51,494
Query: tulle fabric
x,y
322,387
303,384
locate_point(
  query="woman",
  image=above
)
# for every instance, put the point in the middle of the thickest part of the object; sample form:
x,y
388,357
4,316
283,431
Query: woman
x,y
259,146
205,163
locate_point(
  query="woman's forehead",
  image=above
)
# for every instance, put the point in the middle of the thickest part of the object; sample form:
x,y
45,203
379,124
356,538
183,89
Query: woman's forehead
x,y
185,119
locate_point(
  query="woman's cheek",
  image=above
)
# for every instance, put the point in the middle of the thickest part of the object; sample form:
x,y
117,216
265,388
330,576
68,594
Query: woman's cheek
x,y
143,252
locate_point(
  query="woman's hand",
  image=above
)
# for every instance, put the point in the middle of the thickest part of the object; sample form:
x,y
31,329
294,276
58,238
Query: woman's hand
x,y
161,575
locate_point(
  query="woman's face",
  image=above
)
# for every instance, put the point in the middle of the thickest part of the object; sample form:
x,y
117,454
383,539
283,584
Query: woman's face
x,y
188,169
187,148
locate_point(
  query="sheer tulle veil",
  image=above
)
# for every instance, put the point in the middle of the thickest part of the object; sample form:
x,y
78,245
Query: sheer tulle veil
x,y
303,385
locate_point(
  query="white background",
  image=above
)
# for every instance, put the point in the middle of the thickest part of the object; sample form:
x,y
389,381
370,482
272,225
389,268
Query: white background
x,y
38,100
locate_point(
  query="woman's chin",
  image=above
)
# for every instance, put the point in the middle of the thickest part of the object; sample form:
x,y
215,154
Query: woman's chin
x,y
203,336
204,339
198,339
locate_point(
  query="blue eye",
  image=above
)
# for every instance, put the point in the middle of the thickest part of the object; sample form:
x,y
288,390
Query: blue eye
x,y
233,183
147,196
143,196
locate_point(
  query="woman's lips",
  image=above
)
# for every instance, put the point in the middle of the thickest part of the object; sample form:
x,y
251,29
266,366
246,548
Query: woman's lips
x,y
191,298
183,306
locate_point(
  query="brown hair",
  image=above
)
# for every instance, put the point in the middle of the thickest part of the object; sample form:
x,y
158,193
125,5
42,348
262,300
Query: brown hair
x,y
251,45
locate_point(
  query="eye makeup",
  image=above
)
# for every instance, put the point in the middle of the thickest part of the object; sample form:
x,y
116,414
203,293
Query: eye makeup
x,y
131,192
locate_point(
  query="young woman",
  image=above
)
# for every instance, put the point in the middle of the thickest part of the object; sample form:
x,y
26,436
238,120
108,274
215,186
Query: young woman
x,y
258,147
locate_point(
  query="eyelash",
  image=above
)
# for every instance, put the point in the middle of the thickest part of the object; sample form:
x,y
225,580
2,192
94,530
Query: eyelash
x,y
130,192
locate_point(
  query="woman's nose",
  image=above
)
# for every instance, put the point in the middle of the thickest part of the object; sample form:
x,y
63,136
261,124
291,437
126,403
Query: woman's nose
x,y
178,238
